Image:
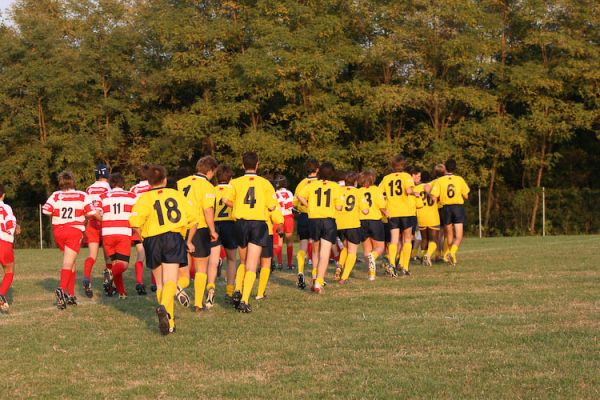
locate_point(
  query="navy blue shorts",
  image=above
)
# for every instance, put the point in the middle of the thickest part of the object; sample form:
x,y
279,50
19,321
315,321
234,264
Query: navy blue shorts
x,y
249,231
403,223
169,248
373,229
352,235
323,228
267,251
226,231
453,214
303,226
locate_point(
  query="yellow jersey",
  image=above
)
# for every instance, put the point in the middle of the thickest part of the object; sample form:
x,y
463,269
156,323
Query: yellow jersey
x,y
162,210
222,211
428,216
452,189
252,196
349,217
297,205
323,198
198,189
372,199
275,218
399,203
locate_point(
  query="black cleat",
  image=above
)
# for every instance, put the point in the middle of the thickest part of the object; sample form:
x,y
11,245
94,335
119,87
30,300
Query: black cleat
x,y
236,298
71,300
140,289
61,302
3,304
244,308
301,282
163,320
292,266
153,288
210,298
406,272
108,282
87,287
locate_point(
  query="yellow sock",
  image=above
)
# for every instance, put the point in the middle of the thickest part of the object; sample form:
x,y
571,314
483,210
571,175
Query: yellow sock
x,y
374,255
453,251
314,272
210,286
343,255
168,300
300,259
229,290
414,253
431,248
249,279
392,251
262,281
405,255
350,261
321,281
159,295
199,285
183,282
239,278
446,248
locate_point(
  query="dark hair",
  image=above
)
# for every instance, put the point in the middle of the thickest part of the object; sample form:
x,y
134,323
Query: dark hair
x,y
1,189
326,171
351,178
398,163
66,180
116,180
425,177
367,178
414,170
206,164
340,175
182,172
280,182
311,166
250,160
439,170
450,166
223,174
156,174
141,172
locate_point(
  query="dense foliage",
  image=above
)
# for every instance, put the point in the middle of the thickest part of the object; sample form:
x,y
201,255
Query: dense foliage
x,y
508,88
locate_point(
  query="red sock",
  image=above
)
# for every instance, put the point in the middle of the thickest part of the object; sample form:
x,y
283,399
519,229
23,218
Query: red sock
x,y
309,252
108,266
71,286
6,282
139,272
87,267
278,250
223,252
117,269
153,280
192,269
65,277
290,254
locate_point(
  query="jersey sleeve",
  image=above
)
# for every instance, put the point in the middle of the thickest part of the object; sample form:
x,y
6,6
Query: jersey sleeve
x,y
383,186
88,206
271,199
229,193
139,213
49,206
435,190
10,221
277,216
465,188
303,192
339,199
208,199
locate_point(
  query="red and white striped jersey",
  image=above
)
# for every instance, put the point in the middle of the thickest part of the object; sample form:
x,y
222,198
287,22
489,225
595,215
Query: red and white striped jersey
x,y
95,190
285,198
141,187
69,208
8,223
116,210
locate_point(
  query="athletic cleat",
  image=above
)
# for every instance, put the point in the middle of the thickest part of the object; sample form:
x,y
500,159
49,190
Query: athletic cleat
x,y
291,266
451,260
280,267
236,298
427,261
108,281
372,267
244,308
182,297
261,297
71,300
338,272
87,287
198,310
163,320
3,304
301,282
310,261
140,289
317,288
406,272
210,298
61,302
153,288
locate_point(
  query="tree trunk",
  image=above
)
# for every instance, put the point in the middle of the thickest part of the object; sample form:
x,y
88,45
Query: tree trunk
x,y
105,90
42,121
538,184
388,129
490,196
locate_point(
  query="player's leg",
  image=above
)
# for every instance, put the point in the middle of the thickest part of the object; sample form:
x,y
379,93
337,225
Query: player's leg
x,y
449,239
316,255
6,282
263,279
66,274
231,261
406,250
339,267
200,281
213,266
277,247
252,261
88,264
322,249
140,288
166,283
458,236
288,229
350,261
393,245
120,262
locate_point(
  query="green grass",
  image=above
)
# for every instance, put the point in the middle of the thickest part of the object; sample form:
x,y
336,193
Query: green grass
x,y
518,318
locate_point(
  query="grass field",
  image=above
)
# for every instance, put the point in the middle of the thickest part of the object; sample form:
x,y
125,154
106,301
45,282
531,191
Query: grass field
x,y
518,318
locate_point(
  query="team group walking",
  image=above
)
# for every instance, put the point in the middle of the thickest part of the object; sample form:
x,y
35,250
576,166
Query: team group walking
x,y
193,228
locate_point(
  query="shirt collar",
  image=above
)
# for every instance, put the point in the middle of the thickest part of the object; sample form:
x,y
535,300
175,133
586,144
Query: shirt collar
x,y
199,175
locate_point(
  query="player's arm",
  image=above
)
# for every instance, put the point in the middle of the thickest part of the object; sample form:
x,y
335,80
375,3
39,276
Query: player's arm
x,y
209,214
229,197
465,190
339,199
48,207
139,214
271,203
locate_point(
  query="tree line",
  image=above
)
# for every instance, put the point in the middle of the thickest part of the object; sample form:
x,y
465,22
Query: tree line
x,y
507,88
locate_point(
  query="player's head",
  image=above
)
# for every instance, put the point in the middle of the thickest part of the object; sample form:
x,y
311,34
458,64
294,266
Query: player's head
x,y
311,166
250,161
281,182
157,176
116,180
340,176
450,166
439,170
2,193
415,172
326,171
425,177
398,163
367,178
66,180
183,172
207,166
142,172
223,173
101,171
351,178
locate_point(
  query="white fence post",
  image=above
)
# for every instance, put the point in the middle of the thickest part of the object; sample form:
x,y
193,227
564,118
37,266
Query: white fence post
x,y
543,211
480,226
41,228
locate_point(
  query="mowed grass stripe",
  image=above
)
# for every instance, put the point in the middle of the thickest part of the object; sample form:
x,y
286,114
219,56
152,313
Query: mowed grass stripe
x,y
518,318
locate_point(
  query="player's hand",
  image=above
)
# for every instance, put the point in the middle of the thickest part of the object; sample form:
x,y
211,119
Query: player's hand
x,y
18,229
214,236
190,247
